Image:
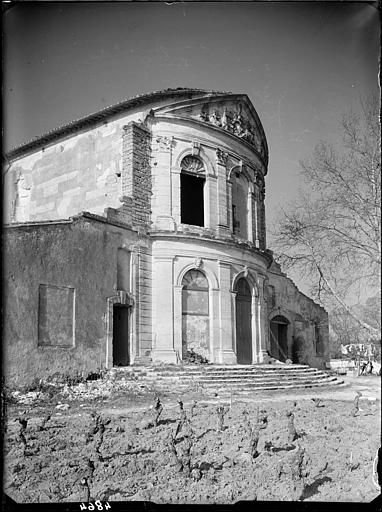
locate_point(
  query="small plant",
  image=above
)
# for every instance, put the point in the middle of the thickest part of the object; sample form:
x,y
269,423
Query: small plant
x,y
45,420
193,407
317,402
182,455
356,407
292,432
182,420
158,411
23,420
221,412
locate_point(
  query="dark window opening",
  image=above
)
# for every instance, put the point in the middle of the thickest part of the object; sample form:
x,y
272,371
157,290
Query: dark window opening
x,y
191,199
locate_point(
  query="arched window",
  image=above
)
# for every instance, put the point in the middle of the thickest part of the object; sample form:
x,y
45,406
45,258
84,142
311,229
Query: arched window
x,y
192,180
195,313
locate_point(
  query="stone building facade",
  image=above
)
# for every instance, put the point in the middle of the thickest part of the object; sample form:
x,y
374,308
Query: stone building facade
x,y
138,233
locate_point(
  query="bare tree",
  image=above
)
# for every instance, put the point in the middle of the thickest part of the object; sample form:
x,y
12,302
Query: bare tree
x,y
331,233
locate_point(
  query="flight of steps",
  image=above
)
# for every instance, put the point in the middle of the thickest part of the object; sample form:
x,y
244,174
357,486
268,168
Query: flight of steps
x,y
226,379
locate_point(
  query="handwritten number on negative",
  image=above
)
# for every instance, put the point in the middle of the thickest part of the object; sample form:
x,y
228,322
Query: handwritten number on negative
x,y
92,506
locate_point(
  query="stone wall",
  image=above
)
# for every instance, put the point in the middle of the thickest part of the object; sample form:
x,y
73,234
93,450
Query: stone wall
x,y
80,173
136,176
58,277
307,320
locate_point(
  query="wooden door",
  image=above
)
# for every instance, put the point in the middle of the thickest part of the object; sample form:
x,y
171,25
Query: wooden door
x,y
243,323
120,335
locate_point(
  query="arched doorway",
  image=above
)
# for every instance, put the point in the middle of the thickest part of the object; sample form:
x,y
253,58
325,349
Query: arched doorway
x,y
243,322
278,329
195,313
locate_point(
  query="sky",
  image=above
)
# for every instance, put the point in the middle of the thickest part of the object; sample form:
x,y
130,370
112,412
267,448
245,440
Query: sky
x,y
302,65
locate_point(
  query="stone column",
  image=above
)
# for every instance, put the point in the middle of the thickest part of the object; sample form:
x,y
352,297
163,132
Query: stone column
x,y
262,323
214,325
222,191
178,319
262,237
163,311
250,213
175,194
210,201
134,287
255,216
226,347
229,206
162,197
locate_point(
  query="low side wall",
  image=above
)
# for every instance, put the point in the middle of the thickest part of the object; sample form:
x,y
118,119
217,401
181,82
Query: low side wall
x,y
57,278
308,329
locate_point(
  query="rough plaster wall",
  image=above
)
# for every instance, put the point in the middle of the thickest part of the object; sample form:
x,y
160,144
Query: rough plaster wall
x,y
294,303
74,255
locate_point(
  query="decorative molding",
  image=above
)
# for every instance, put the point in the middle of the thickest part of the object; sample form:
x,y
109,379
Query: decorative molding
x,y
164,143
195,148
233,121
222,157
198,263
192,164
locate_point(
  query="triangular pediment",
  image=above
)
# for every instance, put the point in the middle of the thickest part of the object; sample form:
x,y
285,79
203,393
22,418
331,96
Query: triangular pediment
x,y
231,113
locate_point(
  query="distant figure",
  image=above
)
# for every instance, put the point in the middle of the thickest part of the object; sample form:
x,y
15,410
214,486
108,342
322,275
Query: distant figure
x,y
363,368
369,368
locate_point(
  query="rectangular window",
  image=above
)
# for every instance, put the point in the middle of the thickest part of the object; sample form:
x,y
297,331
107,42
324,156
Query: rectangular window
x,y
192,199
56,316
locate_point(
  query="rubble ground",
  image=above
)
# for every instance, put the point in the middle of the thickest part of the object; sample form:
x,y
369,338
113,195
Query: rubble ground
x,y
130,447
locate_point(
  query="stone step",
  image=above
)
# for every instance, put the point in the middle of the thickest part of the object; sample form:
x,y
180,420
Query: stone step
x,y
242,381
255,387
229,377
234,374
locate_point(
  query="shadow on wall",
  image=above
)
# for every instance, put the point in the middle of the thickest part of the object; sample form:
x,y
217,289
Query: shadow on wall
x,y
300,353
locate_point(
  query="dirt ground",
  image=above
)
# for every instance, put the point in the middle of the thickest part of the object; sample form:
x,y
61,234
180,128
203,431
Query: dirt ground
x,y
287,447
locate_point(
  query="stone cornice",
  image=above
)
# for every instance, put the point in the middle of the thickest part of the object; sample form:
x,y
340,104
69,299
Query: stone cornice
x,y
157,235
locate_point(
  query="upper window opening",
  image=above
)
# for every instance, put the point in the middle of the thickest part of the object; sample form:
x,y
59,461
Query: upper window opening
x,y
192,182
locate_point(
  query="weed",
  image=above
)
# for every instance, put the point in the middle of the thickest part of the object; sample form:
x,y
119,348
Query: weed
x,y
221,411
292,432
356,407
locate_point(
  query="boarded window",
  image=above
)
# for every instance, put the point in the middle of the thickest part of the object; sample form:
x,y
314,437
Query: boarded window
x,y
56,316
195,293
195,319
192,180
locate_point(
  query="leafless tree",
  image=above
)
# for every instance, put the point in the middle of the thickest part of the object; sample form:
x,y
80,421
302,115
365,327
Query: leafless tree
x,y
332,233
